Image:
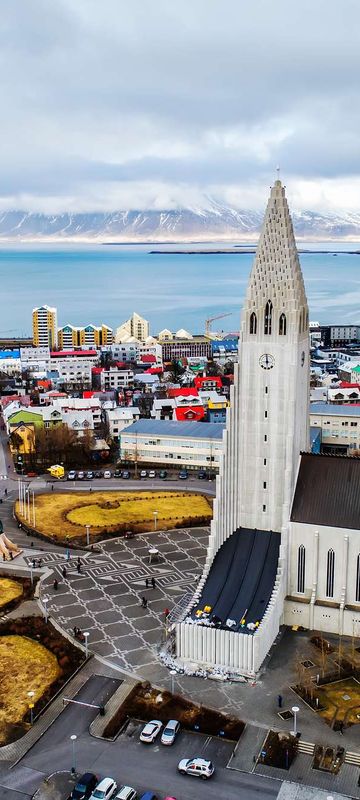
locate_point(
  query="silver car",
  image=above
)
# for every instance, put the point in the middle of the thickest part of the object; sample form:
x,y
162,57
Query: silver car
x,y
198,767
170,731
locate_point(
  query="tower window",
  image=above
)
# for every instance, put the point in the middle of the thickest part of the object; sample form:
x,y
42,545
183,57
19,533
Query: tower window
x,y
301,569
282,325
268,317
264,508
253,322
357,588
330,572
265,438
264,485
264,462
265,414
266,389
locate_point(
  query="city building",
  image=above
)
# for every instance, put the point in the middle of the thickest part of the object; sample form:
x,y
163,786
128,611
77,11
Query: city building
x,y
71,369
135,327
10,362
339,335
119,418
112,378
44,321
166,444
70,336
284,540
339,424
194,347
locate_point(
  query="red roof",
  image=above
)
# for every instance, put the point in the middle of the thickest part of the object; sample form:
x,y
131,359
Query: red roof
x,y
148,358
186,391
97,370
346,385
64,353
154,371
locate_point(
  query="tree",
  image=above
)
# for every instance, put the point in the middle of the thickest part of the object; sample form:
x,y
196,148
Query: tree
x,y
176,372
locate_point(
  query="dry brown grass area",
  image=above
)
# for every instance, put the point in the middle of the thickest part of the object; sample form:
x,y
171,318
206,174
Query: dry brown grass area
x,y
65,515
25,665
9,590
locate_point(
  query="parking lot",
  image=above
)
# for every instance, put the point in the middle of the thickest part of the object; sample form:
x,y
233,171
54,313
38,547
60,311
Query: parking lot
x,y
187,744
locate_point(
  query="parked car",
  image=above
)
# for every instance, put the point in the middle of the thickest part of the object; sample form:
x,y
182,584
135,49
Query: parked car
x,y
89,475
149,796
170,732
117,474
150,731
80,475
152,473
163,474
199,767
202,475
107,474
125,474
183,474
143,473
98,474
71,476
126,793
84,786
104,790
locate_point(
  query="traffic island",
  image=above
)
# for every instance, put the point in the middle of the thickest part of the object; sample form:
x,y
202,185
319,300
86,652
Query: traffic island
x,y
146,702
35,663
77,518
13,591
279,750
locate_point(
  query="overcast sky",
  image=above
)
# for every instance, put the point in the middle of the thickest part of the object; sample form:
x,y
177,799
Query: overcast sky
x,y
110,104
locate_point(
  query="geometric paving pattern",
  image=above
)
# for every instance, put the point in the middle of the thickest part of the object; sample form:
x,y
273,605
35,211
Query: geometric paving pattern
x,y
105,598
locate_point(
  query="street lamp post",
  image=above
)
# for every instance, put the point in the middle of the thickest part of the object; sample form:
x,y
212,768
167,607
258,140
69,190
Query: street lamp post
x,y
295,710
86,635
87,534
73,738
155,513
172,673
45,601
31,706
33,509
31,573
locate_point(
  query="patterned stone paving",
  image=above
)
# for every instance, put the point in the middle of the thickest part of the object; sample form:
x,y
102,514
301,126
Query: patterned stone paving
x,y
105,598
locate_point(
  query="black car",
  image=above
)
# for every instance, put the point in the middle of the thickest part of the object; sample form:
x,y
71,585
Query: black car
x,y
125,474
163,474
84,787
98,474
183,474
117,473
201,475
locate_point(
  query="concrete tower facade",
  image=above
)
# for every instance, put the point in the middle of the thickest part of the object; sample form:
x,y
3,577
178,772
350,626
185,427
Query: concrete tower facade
x,y
267,427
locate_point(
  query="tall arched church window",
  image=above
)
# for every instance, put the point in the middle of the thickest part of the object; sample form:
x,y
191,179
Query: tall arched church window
x,y
301,569
330,573
282,325
301,321
357,587
268,317
253,322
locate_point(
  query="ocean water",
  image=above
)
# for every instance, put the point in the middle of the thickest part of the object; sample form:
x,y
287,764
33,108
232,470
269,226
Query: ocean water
x,y
98,283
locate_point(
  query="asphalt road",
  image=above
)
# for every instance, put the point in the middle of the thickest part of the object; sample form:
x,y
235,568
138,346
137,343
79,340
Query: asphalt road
x,y
128,761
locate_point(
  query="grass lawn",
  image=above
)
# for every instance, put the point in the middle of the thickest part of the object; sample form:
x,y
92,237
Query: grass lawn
x,y
25,665
9,590
63,516
332,696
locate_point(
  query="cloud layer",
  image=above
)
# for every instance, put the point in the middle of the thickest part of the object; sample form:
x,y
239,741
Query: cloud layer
x,y
149,103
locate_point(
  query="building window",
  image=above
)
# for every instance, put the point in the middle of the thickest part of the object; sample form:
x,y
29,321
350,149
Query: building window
x,y
253,322
265,412
266,389
330,572
264,462
357,589
268,317
264,508
264,485
301,569
282,325
265,438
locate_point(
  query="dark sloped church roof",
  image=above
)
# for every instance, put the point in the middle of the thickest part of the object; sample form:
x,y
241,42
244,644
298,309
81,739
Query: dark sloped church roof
x,y
328,491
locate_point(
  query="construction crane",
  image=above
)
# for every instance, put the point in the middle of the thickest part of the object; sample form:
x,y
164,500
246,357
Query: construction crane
x,y
212,319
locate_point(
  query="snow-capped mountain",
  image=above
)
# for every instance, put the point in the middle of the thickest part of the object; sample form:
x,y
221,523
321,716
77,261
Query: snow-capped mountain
x,y
217,222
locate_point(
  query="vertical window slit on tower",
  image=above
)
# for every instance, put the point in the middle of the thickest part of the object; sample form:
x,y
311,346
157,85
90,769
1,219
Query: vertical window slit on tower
x,y
268,317
282,325
301,569
330,573
253,322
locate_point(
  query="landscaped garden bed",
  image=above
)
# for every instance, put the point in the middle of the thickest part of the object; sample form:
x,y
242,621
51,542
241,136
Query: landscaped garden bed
x,y
13,591
279,749
145,702
64,517
34,657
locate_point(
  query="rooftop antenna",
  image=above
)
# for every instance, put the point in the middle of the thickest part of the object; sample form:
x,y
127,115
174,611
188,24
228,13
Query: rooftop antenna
x,y
277,173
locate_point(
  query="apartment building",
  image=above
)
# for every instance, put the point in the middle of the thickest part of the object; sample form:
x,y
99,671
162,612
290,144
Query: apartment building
x,y
44,322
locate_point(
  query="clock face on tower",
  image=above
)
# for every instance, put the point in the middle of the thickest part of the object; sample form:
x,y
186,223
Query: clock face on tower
x,y
267,361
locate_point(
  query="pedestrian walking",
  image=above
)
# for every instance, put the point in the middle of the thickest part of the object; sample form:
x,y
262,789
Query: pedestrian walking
x,y
153,584
280,700
147,583
5,492
33,563
40,563
78,567
79,561
144,602
52,487
166,613
67,554
56,584
63,571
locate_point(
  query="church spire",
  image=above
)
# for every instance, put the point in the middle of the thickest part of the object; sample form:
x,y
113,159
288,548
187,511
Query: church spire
x,y
276,285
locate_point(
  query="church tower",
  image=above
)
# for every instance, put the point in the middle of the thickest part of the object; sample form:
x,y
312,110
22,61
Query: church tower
x,y
267,427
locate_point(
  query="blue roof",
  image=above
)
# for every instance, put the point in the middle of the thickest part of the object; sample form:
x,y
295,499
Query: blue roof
x,y
9,353
164,427
332,409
